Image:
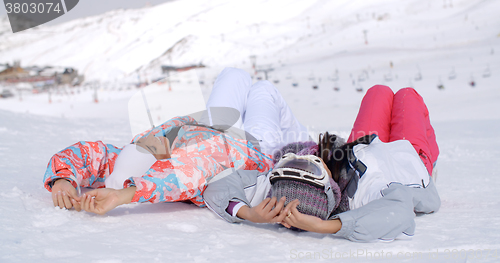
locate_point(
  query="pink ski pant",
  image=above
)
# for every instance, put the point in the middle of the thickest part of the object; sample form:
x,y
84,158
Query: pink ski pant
x,y
400,116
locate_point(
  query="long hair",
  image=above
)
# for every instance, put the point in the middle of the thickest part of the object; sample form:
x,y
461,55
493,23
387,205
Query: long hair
x,y
335,152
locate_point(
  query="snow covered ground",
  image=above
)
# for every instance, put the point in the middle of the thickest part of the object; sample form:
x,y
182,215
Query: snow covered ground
x,y
33,230
462,38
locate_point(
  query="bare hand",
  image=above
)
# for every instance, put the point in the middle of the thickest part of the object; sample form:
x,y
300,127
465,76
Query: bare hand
x,y
64,195
101,201
307,222
268,211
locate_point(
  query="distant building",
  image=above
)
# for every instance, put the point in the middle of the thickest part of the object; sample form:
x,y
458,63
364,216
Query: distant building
x,y
167,69
41,76
13,72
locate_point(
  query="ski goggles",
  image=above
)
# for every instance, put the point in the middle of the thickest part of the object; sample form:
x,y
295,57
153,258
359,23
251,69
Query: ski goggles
x,y
308,169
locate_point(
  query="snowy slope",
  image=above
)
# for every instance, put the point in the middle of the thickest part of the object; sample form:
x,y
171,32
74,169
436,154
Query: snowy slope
x,y
33,230
282,33
414,35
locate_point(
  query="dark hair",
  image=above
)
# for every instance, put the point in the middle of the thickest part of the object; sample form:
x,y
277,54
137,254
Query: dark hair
x,y
336,155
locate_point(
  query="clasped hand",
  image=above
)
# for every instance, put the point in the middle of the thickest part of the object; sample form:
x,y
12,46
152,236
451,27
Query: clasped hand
x,y
301,221
272,211
64,195
98,201
268,211
101,201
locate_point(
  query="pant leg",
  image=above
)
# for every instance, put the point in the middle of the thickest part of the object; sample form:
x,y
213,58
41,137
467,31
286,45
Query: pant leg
x,y
270,120
230,91
85,164
410,121
131,162
374,116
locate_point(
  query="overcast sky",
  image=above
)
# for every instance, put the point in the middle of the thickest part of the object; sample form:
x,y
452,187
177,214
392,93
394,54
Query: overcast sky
x,y
94,7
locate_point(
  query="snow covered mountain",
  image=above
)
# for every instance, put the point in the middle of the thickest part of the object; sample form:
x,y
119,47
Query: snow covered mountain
x,y
304,37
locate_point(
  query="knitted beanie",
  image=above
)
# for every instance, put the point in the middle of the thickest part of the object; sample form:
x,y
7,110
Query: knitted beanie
x,y
313,200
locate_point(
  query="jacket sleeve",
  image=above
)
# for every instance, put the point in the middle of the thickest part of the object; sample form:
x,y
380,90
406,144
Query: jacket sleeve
x,y
179,178
84,164
167,127
230,188
389,217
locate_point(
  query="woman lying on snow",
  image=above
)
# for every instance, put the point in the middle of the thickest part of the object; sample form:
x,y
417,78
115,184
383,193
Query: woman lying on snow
x,y
369,189
174,161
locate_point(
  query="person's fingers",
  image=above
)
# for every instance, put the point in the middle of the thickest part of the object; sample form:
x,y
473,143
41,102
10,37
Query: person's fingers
x,y
76,205
82,202
291,204
270,205
93,192
60,201
280,204
285,210
294,213
85,203
264,203
95,209
92,205
88,204
74,194
281,216
289,220
76,197
54,198
293,207
278,207
291,211
289,217
66,200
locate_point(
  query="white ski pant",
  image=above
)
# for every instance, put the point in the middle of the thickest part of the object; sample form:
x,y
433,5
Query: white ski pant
x,y
262,110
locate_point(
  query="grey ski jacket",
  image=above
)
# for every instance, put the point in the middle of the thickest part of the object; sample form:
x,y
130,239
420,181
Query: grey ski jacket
x,y
387,218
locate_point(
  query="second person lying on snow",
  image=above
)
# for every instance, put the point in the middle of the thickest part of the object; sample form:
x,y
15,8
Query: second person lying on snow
x,y
368,189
